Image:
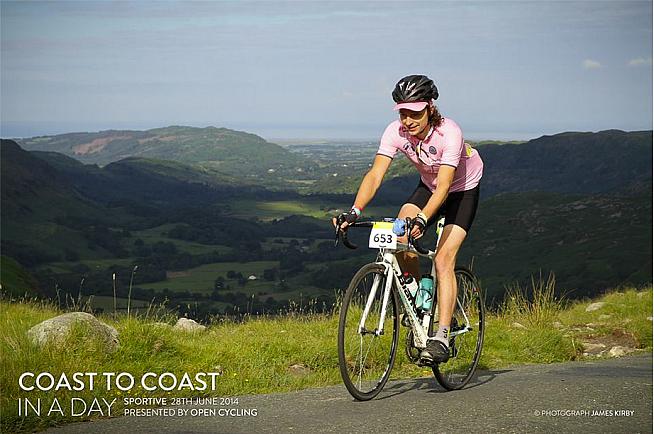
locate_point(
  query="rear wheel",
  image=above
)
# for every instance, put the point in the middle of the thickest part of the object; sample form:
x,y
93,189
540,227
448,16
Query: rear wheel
x,y
366,355
467,328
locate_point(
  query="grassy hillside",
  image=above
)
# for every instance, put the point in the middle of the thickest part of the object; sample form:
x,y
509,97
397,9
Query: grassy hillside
x,y
590,242
570,162
36,200
15,280
273,354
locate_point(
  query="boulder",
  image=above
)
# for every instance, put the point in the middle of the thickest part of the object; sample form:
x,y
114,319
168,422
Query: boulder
x,y
188,325
56,330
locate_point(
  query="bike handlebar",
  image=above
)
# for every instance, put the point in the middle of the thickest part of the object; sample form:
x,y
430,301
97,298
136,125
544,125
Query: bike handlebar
x,y
341,235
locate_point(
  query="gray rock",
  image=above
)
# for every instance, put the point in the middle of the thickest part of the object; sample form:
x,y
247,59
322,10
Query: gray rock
x,y
56,330
188,325
619,351
592,347
299,369
594,306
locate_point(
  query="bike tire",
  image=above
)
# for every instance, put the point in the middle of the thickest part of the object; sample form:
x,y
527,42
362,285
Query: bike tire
x,y
366,359
466,348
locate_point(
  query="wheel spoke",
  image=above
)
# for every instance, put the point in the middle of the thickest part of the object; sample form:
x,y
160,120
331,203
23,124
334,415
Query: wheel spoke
x,y
469,316
366,358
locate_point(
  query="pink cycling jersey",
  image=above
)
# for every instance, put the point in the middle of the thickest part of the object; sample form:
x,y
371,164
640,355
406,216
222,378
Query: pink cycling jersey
x,y
443,145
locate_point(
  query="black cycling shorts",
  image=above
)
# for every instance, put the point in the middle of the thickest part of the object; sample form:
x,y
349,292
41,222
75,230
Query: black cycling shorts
x,y
459,208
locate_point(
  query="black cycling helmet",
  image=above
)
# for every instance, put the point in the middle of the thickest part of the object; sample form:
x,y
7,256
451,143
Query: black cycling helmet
x,y
415,88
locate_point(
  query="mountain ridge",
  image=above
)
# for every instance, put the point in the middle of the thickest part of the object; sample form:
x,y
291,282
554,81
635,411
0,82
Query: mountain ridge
x,y
217,149
569,162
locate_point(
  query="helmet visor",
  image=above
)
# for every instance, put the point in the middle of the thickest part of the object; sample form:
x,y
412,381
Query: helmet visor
x,y
413,106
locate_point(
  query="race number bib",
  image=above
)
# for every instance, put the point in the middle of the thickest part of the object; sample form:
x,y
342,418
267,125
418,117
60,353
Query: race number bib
x,y
382,236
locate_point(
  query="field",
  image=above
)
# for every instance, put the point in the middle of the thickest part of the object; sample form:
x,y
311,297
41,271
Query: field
x,y
202,279
269,210
158,234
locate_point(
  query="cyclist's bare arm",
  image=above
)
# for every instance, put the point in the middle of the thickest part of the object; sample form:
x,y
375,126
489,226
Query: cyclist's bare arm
x,y
370,183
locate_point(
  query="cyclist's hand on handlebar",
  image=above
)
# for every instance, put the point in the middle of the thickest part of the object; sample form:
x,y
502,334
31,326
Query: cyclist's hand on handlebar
x,y
345,219
417,226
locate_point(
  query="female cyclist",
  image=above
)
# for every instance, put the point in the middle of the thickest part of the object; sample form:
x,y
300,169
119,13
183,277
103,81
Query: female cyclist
x,y
450,171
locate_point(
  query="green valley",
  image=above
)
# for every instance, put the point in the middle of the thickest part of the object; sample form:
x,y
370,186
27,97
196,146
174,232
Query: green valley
x,y
178,229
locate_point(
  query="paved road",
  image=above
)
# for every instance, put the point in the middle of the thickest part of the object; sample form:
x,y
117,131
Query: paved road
x,y
565,397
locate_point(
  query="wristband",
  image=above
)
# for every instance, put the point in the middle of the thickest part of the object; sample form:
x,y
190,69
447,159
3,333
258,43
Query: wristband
x,y
357,211
422,216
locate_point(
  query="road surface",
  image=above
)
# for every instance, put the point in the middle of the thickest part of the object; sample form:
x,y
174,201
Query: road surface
x,y
592,396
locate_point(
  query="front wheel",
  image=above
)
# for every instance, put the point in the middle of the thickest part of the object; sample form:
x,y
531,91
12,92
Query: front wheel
x,y
467,333
366,354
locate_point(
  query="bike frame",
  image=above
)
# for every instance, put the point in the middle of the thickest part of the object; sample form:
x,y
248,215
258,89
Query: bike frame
x,y
387,259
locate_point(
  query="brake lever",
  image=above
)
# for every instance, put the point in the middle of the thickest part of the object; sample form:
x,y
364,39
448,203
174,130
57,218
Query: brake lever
x,y
414,241
346,242
341,235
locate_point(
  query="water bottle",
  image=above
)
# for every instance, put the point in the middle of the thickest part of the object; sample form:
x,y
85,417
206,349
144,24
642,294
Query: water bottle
x,y
410,283
425,295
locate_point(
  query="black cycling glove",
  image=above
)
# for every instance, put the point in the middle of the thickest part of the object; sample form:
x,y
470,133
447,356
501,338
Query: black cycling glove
x,y
350,217
420,222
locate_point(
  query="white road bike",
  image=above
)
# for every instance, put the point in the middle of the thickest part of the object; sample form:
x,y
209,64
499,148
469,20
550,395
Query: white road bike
x,y
369,325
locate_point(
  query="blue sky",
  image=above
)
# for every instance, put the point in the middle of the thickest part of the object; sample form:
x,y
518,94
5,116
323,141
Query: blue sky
x,y
511,69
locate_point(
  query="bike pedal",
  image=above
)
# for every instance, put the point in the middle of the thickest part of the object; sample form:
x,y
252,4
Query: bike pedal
x,y
425,363
422,361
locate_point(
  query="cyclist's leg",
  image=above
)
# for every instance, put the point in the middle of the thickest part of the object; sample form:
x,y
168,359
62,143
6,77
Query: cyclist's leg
x,y
408,261
445,260
460,210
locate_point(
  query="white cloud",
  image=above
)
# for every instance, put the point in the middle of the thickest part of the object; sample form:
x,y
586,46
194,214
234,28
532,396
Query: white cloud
x,y
591,64
640,61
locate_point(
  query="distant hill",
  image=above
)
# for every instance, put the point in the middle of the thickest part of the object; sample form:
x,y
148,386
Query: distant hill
x,y
591,242
572,162
140,180
575,203
35,196
607,161
220,151
55,207
32,189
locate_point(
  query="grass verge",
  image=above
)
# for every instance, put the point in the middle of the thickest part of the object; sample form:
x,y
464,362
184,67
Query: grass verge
x,y
288,353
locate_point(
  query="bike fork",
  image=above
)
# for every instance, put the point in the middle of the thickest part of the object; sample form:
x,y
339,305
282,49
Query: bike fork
x,y
371,298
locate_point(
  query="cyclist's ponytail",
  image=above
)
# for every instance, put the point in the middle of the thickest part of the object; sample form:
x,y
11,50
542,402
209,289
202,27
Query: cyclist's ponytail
x,y
435,118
